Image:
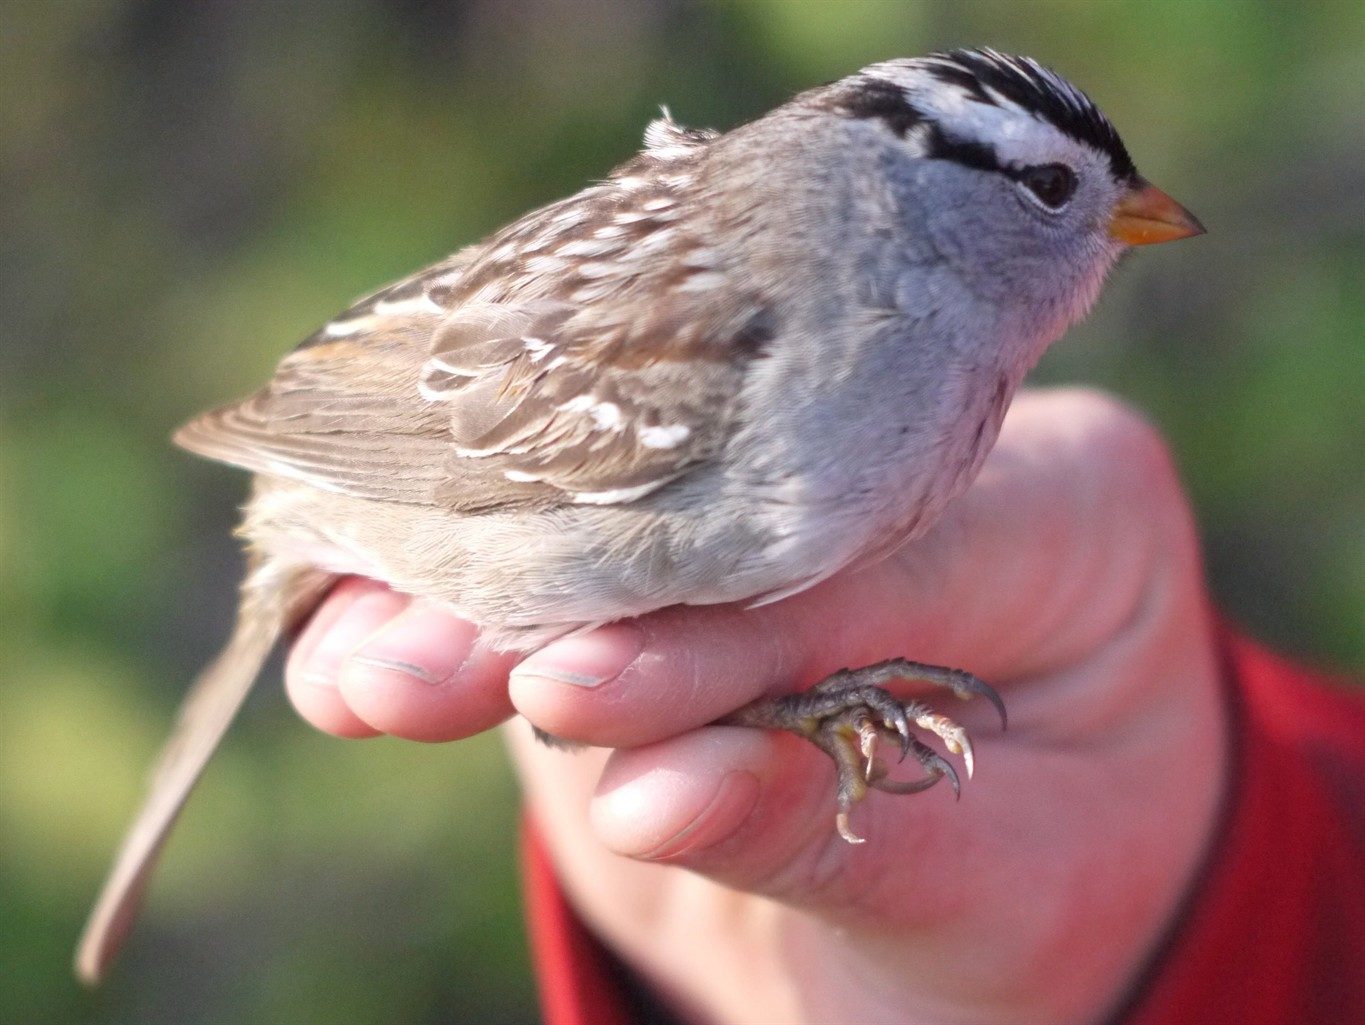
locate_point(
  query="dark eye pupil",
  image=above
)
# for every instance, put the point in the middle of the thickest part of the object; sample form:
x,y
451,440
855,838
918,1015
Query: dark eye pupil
x,y
1051,183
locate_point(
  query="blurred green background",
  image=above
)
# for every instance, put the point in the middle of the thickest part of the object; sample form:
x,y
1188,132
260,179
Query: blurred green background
x,y
188,188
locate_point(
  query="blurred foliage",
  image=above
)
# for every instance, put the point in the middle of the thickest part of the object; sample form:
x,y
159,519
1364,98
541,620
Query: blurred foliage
x,y
188,188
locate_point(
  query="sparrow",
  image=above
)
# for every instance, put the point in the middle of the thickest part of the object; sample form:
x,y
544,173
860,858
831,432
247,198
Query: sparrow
x,y
739,364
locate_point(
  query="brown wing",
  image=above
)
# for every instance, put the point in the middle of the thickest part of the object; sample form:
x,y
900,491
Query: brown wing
x,y
591,352
602,409
341,412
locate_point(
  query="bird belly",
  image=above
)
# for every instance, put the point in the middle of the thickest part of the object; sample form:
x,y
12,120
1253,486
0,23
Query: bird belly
x,y
723,533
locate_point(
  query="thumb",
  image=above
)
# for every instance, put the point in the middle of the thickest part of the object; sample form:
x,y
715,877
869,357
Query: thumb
x,y
754,811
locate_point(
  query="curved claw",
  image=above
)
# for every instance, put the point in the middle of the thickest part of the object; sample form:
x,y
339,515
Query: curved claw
x,y
845,830
903,728
936,765
947,769
999,704
965,686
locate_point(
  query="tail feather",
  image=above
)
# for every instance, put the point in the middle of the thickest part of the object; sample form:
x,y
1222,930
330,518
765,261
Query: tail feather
x,y
271,599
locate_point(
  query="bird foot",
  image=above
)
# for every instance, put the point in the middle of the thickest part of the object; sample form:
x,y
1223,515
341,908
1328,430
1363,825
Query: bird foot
x,y
850,714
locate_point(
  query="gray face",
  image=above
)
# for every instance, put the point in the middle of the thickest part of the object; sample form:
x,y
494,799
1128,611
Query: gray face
x,y
1024,174
1014,249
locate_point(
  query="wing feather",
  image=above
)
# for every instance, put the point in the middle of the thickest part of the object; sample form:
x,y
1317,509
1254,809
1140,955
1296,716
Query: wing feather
x,y
591,352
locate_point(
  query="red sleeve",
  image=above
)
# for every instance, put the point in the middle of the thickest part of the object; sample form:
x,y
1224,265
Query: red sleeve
x,y
1273,933
577,977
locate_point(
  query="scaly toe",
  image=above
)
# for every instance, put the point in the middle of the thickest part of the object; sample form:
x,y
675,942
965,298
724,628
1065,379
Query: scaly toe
x,y
868,735
953,736
848,713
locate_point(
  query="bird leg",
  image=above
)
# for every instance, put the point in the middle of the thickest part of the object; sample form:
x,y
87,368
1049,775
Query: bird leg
x,y
849,713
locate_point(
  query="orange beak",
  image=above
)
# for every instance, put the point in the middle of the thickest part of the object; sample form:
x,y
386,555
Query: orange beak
x,y
1146,215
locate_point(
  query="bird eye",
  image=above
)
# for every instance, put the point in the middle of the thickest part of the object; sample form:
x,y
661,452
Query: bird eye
x,y
1053,184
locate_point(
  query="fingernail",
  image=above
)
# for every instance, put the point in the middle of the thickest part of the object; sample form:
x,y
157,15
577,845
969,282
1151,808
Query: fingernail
x,y
362,617
424,643
587,660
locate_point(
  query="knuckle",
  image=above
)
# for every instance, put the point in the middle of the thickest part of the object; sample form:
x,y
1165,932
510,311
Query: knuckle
x,y
1120,439
1135,469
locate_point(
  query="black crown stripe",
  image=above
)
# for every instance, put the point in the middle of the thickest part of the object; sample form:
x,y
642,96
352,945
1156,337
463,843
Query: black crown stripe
x,y
1039,91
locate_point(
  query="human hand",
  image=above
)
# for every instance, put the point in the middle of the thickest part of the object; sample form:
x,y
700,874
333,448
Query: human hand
x,y
1068,576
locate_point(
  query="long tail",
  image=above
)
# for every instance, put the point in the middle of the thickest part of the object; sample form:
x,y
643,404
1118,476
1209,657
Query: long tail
x,y
272,598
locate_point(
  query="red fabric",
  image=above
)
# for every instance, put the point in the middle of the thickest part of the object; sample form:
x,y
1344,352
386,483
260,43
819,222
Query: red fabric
x,y
1274,933
573,969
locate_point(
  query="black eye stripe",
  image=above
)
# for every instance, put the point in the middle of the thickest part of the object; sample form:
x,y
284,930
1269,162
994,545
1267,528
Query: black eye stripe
x,y
982,157
874,99
979,155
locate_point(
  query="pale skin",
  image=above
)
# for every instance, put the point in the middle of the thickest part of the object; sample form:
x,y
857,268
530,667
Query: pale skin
x,y
1069,576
